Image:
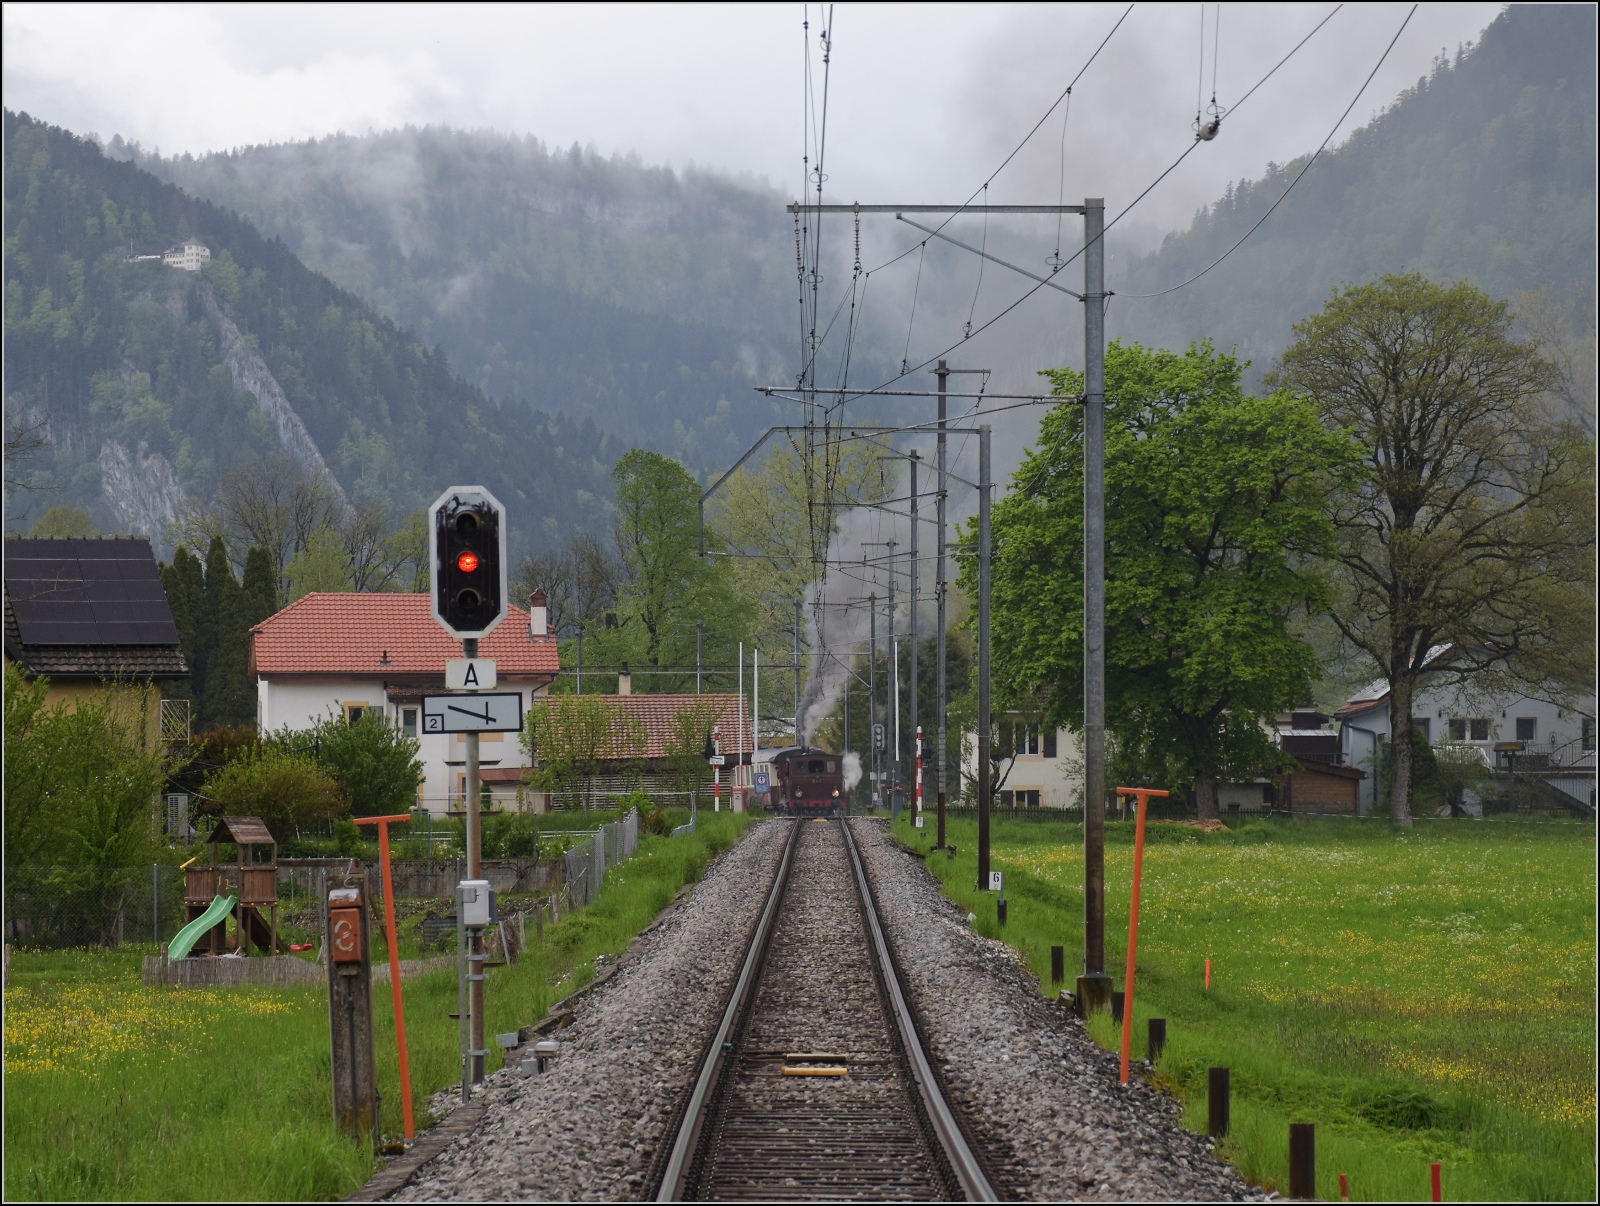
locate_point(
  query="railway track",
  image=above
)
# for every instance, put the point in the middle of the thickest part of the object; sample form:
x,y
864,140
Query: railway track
x,y
815,1085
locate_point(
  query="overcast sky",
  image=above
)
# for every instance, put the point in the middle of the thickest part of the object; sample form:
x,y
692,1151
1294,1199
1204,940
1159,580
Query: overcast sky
x,y
924,101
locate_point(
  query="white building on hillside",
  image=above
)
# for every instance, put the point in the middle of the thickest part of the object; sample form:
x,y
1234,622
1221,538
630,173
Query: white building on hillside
x,y
191,255
347,653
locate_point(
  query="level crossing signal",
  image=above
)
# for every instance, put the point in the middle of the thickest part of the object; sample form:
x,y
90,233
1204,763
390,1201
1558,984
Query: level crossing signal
x,y
467,553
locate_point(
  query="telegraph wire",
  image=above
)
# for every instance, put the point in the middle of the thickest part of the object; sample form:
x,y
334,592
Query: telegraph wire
x,y
1315,155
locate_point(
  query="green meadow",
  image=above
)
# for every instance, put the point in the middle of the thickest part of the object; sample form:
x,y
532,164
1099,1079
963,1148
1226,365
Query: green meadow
x,y
117,1091
1419,996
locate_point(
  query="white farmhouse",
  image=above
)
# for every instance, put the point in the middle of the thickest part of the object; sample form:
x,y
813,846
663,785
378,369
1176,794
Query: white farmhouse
x,y
191,255
1513,734
346,654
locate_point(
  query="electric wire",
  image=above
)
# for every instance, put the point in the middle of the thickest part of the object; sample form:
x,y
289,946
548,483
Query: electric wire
x,y
1066,93
982,261
907,370
1216,49
1315,155
1285,59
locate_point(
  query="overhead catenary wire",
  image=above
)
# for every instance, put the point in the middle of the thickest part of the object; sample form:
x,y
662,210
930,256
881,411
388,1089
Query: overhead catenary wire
x,y
1015,151
907,370
1285,195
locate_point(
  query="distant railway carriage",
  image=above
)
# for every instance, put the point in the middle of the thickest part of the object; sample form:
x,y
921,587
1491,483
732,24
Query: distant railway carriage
x,y
806,782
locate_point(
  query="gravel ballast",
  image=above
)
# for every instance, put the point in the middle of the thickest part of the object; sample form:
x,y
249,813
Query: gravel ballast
x,y
1034,1090
587,1129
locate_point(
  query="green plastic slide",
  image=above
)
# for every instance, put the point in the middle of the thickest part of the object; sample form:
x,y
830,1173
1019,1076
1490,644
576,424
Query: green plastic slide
x,y
180,947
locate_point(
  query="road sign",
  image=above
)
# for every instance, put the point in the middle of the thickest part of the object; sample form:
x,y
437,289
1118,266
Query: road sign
x,y
469,674
763,781
717,760
467,561
996,879
472,713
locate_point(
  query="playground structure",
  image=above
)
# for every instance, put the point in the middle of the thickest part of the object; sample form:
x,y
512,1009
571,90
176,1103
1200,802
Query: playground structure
x,y
245,889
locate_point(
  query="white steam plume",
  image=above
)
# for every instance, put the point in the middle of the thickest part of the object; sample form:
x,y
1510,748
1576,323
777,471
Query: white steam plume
x,y
852,769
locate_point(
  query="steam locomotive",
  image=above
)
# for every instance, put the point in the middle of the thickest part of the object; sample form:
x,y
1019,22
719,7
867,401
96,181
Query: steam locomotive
x,y
806,782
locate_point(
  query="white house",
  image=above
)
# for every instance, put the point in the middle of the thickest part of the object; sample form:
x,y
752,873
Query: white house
x,y
348,653
191,255
1511,731
1045,771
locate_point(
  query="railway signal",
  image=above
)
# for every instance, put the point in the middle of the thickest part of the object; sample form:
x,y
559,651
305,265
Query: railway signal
x,y
467,553
467,595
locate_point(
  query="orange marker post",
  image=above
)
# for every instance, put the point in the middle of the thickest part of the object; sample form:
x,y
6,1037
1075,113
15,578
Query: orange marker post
x,y
1344,1188
394,962
1143,794
1208,975
1433,1175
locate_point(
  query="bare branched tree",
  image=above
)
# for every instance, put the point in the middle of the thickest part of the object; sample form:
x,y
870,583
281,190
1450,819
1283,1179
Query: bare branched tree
x,y
25,435
581,581
275,504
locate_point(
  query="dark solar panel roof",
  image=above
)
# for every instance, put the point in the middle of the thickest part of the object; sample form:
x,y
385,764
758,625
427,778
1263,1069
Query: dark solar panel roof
x,y
87,592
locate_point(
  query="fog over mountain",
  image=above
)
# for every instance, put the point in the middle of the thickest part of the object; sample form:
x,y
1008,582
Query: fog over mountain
x,y
650,301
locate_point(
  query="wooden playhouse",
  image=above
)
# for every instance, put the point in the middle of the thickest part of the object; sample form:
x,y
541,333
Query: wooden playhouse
x,y
252,880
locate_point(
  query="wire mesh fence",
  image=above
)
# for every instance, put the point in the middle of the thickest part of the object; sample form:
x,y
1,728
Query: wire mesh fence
x,y
53,907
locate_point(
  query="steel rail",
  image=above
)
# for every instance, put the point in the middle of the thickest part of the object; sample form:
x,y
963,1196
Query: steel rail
x,y
963,1161
694,1116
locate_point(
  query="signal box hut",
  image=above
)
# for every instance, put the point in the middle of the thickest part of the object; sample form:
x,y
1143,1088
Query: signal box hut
x,y
252,880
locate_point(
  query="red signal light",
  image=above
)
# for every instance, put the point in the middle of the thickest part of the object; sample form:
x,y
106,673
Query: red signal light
x,y
467,562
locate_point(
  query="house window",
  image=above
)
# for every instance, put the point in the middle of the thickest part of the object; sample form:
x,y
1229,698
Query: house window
x,y
408,720
1050,743
1588,733
1527,728
1027,799
1424,727
1458,730
1480,729
353,712
1024,738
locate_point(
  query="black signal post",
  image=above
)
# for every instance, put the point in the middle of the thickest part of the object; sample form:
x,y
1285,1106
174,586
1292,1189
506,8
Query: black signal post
x,y
467,556
469,562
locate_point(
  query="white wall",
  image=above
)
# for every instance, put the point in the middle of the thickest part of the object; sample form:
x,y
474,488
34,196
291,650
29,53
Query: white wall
x,y
1554,725
298,702
1058,780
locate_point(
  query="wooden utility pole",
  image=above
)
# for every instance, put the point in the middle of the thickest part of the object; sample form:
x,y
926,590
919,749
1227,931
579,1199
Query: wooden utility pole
x,y
355,1073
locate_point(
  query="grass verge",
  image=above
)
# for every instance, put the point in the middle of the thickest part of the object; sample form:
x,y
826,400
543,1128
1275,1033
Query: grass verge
x,y
1422,996
117,1091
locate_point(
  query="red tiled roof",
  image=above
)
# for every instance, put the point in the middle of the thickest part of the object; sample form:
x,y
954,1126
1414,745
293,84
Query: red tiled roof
x,y
658,714
348,634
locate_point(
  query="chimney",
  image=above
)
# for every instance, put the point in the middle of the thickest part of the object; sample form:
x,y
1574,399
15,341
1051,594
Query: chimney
x,y
624,681
538,616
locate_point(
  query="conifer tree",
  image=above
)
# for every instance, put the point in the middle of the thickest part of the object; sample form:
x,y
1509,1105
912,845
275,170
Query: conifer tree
x,y
185,584
227,698
260,585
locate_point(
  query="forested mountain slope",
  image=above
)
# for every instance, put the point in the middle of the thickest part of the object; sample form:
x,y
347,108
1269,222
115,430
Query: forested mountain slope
x,y
147,383
1483,171
647,299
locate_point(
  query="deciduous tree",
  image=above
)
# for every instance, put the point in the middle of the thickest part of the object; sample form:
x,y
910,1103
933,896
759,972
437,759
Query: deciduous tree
x,y
1212,511
1471,523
